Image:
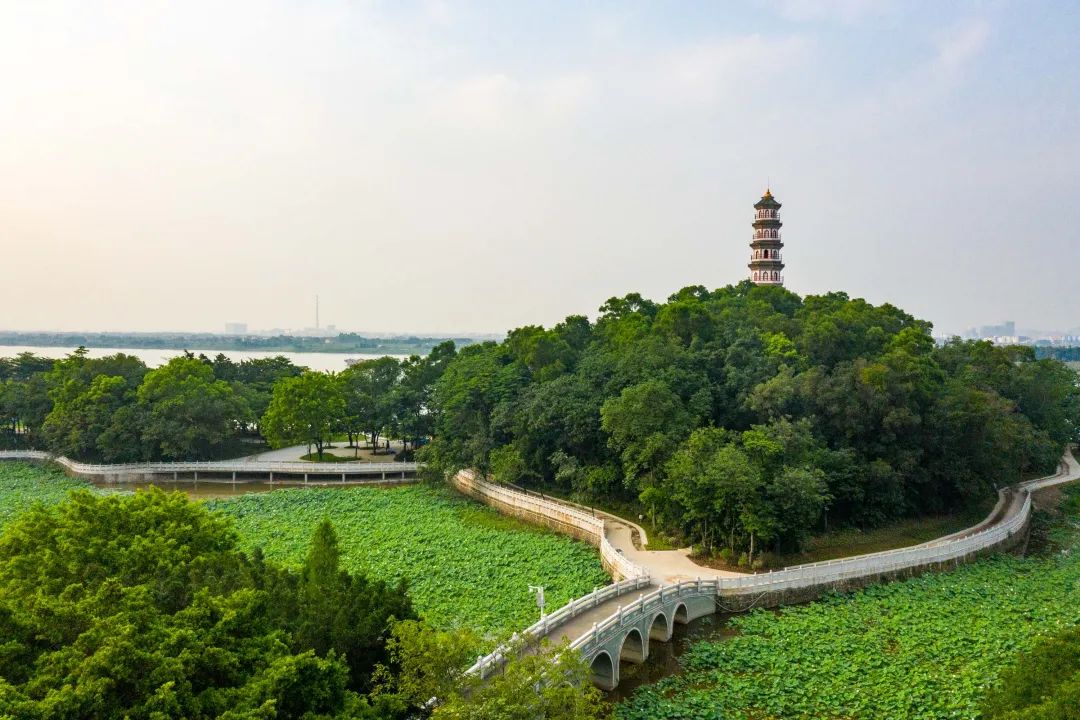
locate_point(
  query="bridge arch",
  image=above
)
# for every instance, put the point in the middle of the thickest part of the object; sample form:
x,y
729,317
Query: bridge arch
x,y
604,671
681,615
633,647
660,628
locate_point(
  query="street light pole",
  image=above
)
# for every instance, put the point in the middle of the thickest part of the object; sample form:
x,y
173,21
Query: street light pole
x,y
539,590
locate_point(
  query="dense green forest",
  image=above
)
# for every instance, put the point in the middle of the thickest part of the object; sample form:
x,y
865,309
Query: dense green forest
x,y
115,409
145,606
749,417
141,606
741,419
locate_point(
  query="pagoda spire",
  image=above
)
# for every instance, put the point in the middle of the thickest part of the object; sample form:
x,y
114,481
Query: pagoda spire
x,y
766,259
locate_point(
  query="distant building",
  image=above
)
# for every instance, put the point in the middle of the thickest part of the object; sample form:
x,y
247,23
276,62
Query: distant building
x,y
236,328
766,259
1005,329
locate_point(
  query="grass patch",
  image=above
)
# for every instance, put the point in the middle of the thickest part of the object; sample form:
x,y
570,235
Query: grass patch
x,y
326,458
903,533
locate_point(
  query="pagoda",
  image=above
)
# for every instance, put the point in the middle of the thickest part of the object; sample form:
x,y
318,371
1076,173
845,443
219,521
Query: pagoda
x,y
766,259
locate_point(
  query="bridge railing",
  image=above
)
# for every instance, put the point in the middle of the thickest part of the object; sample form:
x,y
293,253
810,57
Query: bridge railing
x,y
282,466
886,555
484,665
804,576
654,602
566,514
801,577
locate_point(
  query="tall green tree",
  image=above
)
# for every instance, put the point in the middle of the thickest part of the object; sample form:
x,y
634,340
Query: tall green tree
x,y
370,387
342,614
304,409
142,607
190,414
1043,684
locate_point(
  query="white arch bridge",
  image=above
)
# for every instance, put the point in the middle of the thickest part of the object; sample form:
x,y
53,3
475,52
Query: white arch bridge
x,y
614,624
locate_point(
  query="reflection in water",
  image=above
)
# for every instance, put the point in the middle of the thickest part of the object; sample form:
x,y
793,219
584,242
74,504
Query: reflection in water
x,y
664,657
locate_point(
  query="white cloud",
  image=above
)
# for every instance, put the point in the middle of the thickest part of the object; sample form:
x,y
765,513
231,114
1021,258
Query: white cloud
x,y
846,11
481,102
962,45
706,72
563,97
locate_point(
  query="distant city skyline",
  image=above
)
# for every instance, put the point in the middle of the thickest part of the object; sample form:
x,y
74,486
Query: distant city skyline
x,y
468,168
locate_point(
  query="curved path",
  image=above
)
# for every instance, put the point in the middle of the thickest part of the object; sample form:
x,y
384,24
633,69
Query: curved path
x,y
664,566
662,587
616,623
282,471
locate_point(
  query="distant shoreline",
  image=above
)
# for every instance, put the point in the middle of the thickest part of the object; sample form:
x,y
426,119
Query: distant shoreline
x,y
342,344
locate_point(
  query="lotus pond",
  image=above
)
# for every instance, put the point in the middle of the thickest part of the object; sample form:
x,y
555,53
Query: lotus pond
x,y
466,565
924,648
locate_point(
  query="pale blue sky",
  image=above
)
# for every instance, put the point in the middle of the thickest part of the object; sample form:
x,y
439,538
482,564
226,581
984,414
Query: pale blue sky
x,y
443,166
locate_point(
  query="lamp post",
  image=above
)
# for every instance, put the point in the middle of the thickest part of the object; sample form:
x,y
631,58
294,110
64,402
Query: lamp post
x,y
539,590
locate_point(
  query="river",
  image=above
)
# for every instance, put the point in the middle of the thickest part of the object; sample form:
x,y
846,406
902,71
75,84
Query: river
x,y
153,357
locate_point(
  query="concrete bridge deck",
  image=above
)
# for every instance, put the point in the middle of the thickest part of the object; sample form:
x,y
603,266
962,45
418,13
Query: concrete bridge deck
x,y
582,624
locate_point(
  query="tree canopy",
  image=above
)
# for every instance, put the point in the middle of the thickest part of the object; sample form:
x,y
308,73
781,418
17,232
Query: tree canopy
x,y
744,416
141,606
304,409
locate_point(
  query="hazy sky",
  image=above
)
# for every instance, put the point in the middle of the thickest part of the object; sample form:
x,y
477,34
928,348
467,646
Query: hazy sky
x,y
476,166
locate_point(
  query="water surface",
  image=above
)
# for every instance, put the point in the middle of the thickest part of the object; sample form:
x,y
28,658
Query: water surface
x,y
154,357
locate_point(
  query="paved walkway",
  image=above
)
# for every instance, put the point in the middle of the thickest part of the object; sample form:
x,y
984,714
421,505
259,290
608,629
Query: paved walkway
x,y
298,451
664,566
670,566
578,626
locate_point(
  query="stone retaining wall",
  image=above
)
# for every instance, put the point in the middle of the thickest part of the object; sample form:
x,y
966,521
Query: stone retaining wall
x,y
548,513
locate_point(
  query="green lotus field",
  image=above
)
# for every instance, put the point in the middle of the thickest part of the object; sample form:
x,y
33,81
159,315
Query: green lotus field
x,y
923,648
466,565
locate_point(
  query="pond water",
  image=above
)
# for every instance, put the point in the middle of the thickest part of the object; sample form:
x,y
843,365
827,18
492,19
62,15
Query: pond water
x,y
153,357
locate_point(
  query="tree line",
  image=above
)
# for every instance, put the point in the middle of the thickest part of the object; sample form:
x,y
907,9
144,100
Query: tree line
x,y
143,607
116,409
740,419
748,417
1065,354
